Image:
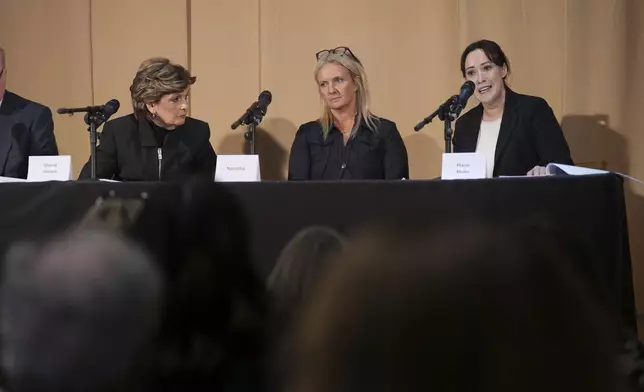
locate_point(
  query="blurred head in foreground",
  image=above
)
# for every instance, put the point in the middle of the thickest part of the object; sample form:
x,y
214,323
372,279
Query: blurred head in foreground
x,y
78,313
471,309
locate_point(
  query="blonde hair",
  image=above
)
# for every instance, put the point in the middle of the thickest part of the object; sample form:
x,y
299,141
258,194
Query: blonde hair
x,y
359,78
155,78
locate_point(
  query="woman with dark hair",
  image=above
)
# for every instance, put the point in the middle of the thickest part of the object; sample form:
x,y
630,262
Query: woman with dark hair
x,y
214,318
518,134
158,141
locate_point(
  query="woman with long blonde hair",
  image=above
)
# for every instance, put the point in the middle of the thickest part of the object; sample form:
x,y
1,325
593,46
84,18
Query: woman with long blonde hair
x,y
347,142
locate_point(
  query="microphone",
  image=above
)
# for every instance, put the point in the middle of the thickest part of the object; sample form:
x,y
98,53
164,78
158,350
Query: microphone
x,y
256,111
90,109
441,112
111,107
467,89
96,115
451,108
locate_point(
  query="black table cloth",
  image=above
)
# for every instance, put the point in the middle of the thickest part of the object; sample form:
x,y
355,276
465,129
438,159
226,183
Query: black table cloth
x,y
590,208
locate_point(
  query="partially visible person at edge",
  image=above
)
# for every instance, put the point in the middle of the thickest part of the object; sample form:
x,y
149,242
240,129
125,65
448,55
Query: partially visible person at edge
x,y
518,134
157,142
26,129
347,142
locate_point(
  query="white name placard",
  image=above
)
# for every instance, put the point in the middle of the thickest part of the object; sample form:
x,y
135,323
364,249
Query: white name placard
x,y
463,166
50,168
237,168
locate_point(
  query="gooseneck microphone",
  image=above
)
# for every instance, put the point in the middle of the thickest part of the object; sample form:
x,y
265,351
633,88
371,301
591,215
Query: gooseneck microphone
x,y
95,116
253,116
111,106
256,111
452,107
449,111
467,89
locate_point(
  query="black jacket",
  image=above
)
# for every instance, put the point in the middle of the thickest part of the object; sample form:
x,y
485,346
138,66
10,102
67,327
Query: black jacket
x,y
26,128
128,151
378,156
529,136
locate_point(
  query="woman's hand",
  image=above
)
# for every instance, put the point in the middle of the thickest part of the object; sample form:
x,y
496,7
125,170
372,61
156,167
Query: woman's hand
x,y
538,171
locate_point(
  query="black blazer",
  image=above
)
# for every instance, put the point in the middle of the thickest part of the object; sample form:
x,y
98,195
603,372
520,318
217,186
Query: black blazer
x,y
26,128
128,151
529,136
376,156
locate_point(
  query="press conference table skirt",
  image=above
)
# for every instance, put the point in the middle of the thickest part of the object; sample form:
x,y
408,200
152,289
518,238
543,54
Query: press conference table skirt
x,y
590,208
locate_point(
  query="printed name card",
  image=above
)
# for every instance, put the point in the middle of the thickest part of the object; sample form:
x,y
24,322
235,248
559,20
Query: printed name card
x,y
463,166
50,168
237,168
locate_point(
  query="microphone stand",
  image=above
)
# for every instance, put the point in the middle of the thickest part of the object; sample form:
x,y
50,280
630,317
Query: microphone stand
x,y
448,132
92,119
444,113
249,135
253,119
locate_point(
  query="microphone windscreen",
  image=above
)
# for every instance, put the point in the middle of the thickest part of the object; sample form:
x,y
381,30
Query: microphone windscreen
x,y
467,89
265,98
112,107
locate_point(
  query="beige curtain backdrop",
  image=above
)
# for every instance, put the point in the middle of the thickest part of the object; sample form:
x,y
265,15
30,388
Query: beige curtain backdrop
x,y
586,57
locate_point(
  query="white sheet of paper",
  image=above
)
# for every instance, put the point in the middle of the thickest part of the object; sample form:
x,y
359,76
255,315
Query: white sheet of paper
x,y
559,168
11,179
463,166
50,168
237,168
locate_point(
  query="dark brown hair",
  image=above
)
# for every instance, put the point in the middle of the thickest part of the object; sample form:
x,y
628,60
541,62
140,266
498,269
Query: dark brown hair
x,y
492,51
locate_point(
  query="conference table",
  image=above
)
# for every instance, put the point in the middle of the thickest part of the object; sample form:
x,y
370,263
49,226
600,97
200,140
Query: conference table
x,y
589,209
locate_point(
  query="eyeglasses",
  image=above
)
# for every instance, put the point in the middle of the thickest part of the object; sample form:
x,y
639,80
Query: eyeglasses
x,y
340,50
1,72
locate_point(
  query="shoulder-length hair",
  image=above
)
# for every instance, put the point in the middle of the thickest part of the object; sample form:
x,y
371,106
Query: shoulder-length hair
x,y
155,78
363,104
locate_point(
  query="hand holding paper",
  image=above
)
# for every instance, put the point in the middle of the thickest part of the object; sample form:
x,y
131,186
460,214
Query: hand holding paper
x,y
538,171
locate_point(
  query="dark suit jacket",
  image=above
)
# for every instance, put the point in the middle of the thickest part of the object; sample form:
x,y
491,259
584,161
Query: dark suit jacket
x,y
26,128
376,156
529,136
128,151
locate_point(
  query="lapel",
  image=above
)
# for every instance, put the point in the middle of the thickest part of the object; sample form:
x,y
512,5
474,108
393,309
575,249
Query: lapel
x,y
508,123
468,132
175,151
146,134
149,168
6,124
329,137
